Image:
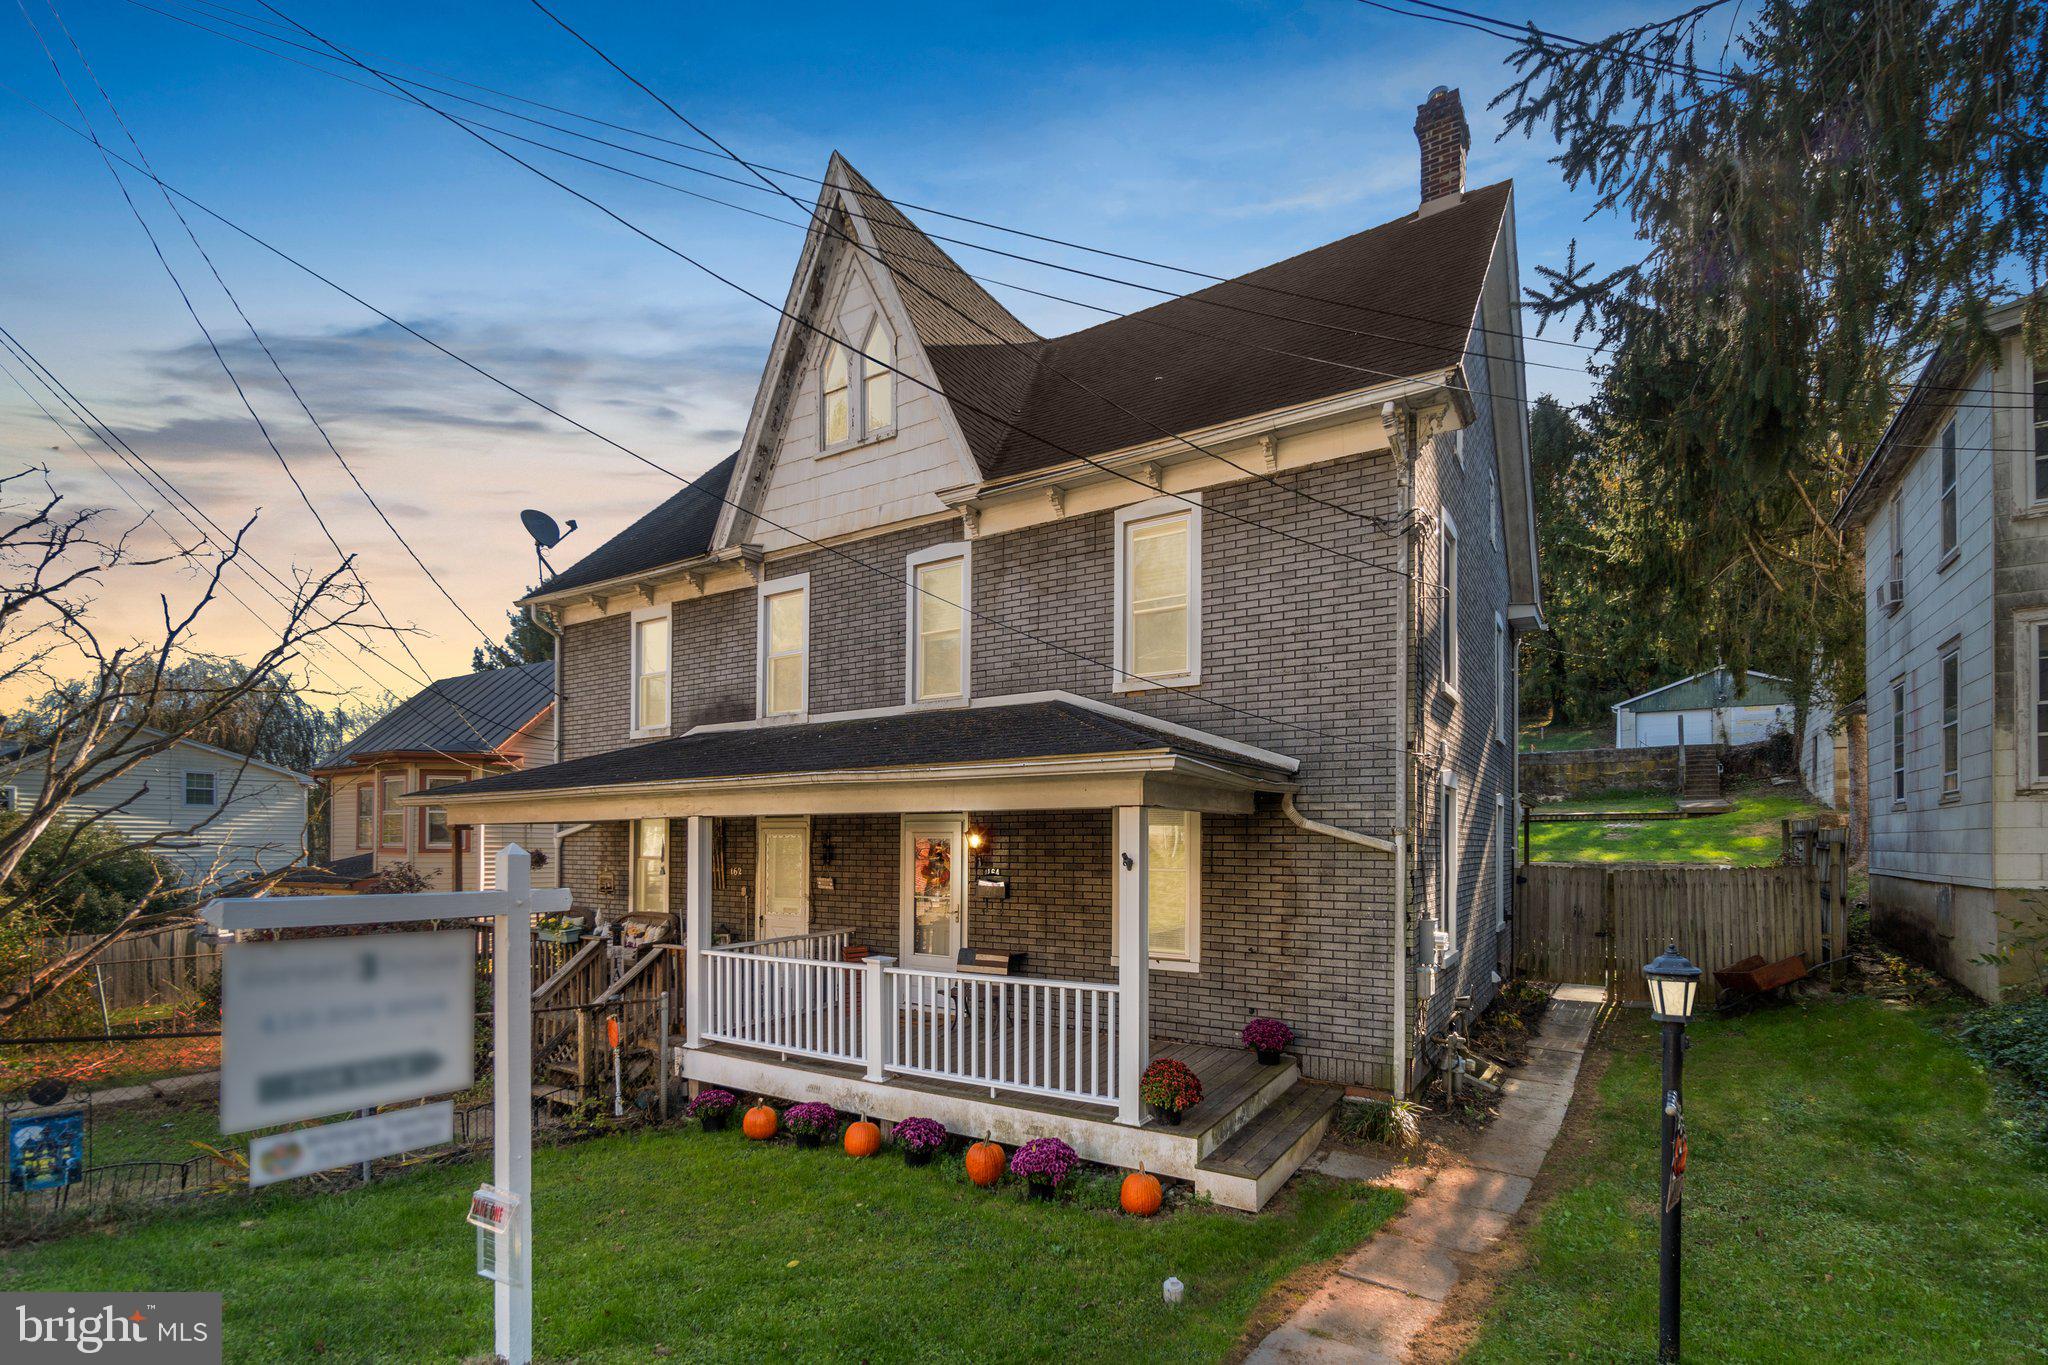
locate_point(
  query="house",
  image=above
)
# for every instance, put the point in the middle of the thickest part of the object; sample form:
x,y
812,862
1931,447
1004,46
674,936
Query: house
x,y
1952,508
495,721
213,815
1706,708
1155,677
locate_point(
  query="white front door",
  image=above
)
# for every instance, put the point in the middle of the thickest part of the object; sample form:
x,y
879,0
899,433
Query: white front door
x,y
934,892
785,876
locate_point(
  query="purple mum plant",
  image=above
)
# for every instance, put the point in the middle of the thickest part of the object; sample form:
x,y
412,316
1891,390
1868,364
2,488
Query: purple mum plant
x,y
811,1120
1266,1035
712,1104
1043,1161
920,1135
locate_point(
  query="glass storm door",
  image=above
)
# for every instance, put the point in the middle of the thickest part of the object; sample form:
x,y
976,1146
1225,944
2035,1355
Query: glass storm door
x,y
785,877
934,904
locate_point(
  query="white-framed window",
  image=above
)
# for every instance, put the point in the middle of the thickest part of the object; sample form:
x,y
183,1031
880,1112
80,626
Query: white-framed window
x,y
2041,433
835,397
434,831
1503,861
1504,681
1895,521
1450,850
878,380
937,644
1447,601
390,818
1951,719
1948,492
10,800
1899,741
1458,445
785,646
2030,677
1173,889
1159,594
650,865
650,706
366,816
199,789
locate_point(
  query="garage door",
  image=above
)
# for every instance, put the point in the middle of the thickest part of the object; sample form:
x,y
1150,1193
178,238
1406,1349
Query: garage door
x,y
1661,727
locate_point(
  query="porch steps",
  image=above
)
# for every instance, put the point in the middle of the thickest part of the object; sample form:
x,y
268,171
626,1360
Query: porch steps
x,y
1245,1170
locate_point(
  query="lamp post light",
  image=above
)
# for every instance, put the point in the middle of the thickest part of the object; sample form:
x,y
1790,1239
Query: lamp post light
x,y
1673,983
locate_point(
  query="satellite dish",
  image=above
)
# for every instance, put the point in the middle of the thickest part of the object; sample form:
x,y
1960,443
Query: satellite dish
x,y
546,536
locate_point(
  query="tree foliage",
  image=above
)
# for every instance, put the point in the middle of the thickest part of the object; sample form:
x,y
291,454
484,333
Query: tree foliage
x,y
526,642
1860,184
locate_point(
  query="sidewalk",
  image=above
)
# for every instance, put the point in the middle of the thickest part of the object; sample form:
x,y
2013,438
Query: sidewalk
x,y
1394,1285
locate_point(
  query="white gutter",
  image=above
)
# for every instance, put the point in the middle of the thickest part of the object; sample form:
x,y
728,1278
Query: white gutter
x,y
1349,836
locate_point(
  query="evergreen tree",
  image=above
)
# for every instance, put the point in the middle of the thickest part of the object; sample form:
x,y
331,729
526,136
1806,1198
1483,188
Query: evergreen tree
x,y
526,642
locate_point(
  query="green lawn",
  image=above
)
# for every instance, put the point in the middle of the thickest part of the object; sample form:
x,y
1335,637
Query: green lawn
x,y
1545,738
1850,1197
1746,835
720,1249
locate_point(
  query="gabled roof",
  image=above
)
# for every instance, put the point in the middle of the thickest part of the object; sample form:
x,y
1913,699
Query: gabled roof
x,y
476,713
1712,688
677,530
18,756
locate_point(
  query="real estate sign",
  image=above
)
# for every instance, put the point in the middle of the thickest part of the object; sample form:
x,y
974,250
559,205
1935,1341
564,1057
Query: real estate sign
x,y
314,1027
302,1151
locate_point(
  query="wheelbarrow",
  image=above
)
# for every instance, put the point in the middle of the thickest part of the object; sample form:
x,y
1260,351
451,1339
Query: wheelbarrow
x,y
1750,978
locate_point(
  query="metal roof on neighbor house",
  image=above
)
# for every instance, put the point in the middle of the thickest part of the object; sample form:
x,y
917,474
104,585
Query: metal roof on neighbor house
x,y
1713,688
472,714
975,734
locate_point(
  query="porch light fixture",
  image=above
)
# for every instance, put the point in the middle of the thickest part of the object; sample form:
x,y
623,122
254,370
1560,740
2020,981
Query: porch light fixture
x,y
976,838
1674,982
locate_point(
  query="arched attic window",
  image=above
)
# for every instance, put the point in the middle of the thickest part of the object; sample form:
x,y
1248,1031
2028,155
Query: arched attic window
x,y
878,388
835,405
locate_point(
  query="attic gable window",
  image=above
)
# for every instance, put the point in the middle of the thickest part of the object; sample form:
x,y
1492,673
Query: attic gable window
x,y
878,387
835,401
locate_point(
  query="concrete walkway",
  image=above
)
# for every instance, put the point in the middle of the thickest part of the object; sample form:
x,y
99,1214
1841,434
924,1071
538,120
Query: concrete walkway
x,y
1393,1286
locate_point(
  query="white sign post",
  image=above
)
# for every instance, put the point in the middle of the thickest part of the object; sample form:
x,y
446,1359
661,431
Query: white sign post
x,y
369,1059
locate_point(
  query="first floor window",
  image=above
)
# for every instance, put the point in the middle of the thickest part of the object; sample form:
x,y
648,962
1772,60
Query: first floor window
x,y
2036,660
390,819
366,815
785,646
650,865
1504,680
1899,740
1951,721
434,819
1504,863
1450,847
1173,875
198,789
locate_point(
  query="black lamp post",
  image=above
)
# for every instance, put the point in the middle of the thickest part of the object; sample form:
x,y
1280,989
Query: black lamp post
x,y
1673,983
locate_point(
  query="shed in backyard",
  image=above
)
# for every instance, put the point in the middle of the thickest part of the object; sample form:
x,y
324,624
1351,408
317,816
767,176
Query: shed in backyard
x,y
1707,708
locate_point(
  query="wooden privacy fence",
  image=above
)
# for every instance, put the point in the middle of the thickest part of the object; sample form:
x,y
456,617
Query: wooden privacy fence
x,y
163,967
1600,922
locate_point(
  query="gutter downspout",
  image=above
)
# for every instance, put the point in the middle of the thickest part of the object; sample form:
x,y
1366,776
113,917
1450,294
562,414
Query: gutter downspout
x,y
1401,445
1349,836
1396,848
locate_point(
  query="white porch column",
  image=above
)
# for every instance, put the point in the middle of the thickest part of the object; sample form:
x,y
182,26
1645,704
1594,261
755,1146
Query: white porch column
x,y
1133,946
878,1013
696,928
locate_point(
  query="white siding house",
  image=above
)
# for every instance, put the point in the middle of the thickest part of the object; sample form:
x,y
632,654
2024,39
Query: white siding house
x,y
1706,708
1956,580
245,816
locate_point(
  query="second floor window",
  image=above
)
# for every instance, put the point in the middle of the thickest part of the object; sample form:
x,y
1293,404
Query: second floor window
x,y
198,789
1159,576
938,624
650,670
390,819
1447,602
366,816
1951,721
785,646
2041,437
1948,490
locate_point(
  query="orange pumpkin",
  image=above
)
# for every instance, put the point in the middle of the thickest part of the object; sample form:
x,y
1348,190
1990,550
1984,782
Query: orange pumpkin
x,y
760,1122
986,1163
1141,1194
863,1139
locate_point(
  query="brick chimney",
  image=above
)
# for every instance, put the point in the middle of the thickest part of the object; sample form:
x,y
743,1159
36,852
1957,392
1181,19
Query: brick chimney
x,y
1445,137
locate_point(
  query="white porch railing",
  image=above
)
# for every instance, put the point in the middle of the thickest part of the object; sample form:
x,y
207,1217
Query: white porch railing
x,y
1055,1038
789,995
827,945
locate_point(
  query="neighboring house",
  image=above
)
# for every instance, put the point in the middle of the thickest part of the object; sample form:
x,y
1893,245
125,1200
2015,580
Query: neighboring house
x,y
1953,510
1824,754
245,817
1707,708
457,729
1046,710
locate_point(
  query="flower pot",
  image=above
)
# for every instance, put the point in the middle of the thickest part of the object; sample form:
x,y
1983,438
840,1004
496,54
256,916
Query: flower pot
x,y
807,1139
574,935
921,1156
713,1123
1039,1189
1169,1117
1271,1056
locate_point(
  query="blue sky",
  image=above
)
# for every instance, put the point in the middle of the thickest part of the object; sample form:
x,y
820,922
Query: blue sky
x,y
1218,135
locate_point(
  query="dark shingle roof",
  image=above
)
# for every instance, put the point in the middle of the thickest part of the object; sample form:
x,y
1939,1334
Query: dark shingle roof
x,y
470,714
1045,729
678,529
340,872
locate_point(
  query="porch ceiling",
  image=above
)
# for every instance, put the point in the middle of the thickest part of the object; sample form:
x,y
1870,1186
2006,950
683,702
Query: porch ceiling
x,y
1049,752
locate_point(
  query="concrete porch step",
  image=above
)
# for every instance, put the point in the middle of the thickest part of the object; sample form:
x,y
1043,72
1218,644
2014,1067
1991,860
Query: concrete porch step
x,y
1244,1171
